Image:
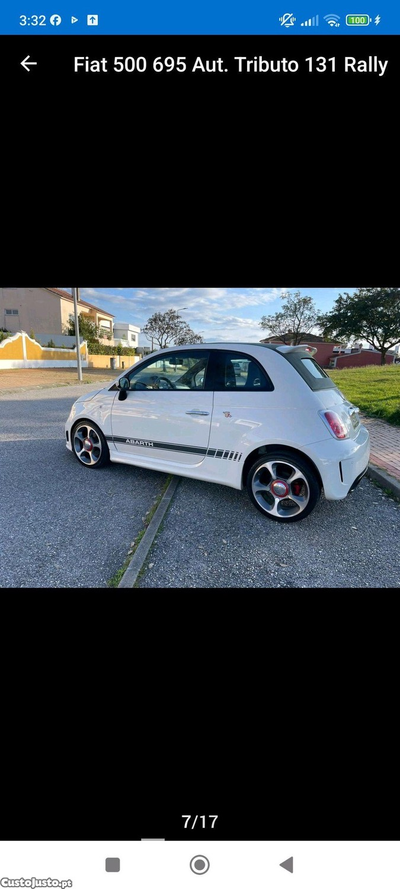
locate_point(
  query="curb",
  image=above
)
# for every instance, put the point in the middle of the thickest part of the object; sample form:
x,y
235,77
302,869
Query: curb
x,y
139,557
383,478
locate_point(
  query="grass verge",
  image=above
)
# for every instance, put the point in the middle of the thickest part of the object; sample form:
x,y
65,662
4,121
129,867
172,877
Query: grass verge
x,y
117,577
375,390
23,379
146,563
386,491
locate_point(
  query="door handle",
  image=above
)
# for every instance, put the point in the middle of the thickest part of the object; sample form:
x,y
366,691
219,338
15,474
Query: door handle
x,y
199,413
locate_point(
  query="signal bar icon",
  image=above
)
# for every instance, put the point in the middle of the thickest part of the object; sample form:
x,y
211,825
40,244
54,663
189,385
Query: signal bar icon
x,y
311,23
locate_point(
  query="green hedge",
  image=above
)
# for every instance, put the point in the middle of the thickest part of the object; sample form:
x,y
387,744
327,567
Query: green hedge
x,y
100,349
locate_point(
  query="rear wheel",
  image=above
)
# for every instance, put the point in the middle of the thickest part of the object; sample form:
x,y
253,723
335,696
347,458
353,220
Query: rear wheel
x,y
282,487
89,444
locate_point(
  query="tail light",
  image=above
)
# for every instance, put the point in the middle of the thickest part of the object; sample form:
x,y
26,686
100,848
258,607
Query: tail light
x,y
339,426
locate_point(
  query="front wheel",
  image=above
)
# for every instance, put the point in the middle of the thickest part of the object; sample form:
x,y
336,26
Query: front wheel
x,y
89,444
282,487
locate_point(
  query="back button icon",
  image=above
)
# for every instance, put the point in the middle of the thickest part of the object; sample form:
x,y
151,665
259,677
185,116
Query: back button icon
x,y
288,864
26,63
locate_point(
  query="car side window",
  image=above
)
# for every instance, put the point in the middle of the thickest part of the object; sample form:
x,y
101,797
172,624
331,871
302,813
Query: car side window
x,y
175,370
237,371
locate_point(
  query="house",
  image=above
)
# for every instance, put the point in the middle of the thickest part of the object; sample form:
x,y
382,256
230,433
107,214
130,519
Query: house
x,y
287,338
359,357
126,334
335,355
46,311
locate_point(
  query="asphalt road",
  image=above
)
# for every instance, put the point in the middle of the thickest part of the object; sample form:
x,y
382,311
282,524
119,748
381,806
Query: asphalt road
x,y
61,524
213,537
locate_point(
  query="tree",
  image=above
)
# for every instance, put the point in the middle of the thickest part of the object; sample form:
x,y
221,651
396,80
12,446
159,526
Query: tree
x,y
187,336
168,327
296,319
87,329
371,314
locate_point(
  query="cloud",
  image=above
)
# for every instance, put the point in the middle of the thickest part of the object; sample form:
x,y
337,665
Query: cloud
x,y
149,300
218,313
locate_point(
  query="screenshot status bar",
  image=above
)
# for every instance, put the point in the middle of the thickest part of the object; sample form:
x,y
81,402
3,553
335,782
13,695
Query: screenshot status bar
x,y
96,17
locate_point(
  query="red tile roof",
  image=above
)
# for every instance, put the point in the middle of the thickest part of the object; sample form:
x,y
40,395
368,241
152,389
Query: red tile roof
x,y
310,337
82,302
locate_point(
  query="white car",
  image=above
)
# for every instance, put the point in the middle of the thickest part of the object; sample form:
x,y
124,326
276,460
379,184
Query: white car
x,y
282,429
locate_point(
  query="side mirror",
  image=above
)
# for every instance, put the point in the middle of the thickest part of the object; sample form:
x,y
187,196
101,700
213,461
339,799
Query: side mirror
x,y
123,385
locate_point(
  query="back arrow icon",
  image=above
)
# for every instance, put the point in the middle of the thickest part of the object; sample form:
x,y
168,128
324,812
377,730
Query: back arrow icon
x,y
25,64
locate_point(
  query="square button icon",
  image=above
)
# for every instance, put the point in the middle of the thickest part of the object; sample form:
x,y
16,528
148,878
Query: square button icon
x,y
92,19
113,865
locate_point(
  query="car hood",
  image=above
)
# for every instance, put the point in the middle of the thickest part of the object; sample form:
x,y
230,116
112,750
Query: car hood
x,y
87,396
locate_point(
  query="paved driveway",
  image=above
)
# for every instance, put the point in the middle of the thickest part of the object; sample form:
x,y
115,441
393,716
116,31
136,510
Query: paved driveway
x,y
62,525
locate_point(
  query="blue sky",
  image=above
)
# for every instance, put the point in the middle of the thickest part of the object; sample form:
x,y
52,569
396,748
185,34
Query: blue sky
x,y
219,314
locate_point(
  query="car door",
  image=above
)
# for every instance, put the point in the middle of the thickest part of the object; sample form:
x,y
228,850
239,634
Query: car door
x,y
243,397
166,414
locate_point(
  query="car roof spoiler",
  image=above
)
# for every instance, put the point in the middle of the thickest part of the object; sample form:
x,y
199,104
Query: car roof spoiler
x,y
302,348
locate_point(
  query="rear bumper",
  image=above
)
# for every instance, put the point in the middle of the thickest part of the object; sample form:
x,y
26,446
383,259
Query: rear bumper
x,y
342,464
358,479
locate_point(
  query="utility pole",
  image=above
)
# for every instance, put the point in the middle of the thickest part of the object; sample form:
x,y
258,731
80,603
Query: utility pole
x,y
75,294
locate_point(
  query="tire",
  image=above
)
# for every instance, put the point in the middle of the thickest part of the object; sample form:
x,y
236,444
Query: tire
x,y
296,492
83,433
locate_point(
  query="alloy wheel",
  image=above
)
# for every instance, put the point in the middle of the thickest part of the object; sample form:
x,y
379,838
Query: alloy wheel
x,y
87,445
280,488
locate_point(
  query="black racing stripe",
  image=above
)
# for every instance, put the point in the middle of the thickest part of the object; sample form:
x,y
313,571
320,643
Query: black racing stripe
x,y
167,446
159,445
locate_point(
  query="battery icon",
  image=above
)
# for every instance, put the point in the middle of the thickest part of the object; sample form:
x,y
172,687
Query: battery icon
x,y
358,19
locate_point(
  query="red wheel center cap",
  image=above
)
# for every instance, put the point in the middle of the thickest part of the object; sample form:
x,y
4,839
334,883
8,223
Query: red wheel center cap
x,y
87,444
279,488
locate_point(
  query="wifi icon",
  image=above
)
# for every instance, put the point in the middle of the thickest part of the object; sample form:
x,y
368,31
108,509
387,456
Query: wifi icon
x,y
333,20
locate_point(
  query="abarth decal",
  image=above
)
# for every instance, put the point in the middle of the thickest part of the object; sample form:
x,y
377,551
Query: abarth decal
x,y
139,441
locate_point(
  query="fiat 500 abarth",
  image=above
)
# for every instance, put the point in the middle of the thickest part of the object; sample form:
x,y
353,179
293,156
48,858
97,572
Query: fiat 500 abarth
x,y
265,417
